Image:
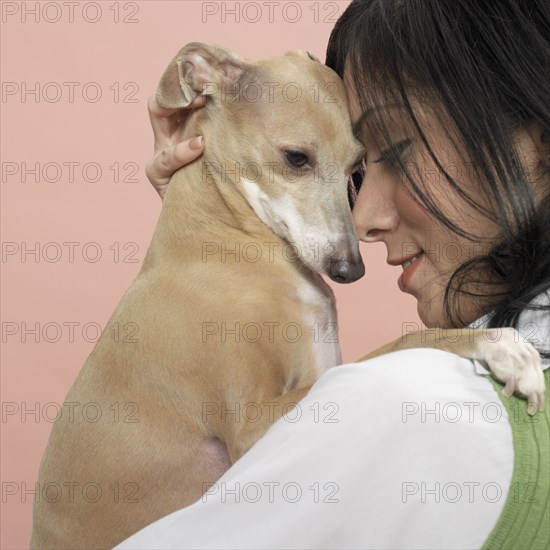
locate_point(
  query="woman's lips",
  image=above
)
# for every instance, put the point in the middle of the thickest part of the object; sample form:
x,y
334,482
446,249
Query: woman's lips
x,y
409,267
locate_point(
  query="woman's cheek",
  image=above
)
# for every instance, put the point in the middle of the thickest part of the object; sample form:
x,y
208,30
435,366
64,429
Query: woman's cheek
x,y
413,216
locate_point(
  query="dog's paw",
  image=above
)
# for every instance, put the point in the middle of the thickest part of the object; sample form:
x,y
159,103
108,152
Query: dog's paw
x,y
516,363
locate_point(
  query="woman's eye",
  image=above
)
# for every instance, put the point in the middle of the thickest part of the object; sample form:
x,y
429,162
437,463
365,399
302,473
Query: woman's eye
x,y
296,158
392,155
355,181
356,177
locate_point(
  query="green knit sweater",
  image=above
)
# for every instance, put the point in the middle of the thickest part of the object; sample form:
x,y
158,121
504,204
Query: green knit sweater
x,y
525,519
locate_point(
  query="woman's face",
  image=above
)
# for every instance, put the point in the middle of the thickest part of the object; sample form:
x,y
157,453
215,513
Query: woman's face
x,y
424,252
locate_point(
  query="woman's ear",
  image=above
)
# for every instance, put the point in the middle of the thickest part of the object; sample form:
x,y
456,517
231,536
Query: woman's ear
x,y
541,139
545,146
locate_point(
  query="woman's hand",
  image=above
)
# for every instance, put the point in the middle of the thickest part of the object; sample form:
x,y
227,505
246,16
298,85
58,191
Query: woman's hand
x,y
170,152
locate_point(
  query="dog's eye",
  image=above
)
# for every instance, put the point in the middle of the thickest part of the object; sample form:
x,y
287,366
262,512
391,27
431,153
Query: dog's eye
x,y
296,158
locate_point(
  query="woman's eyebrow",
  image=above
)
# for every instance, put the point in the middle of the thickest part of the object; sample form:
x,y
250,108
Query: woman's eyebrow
x,y
356,127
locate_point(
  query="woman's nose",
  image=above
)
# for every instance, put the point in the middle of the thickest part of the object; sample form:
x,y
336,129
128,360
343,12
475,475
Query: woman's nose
x,y
374,211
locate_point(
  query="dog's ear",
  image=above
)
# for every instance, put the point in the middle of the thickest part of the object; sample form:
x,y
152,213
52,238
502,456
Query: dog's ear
x,y
302,53
198,69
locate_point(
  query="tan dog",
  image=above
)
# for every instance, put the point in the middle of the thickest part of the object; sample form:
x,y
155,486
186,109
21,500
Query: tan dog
x,y
225,312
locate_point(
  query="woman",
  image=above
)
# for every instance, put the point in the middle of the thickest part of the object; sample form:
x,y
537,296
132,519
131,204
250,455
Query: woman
x,y
452,103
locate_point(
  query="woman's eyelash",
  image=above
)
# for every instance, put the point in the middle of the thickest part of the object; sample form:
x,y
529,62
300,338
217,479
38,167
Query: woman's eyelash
x,y
389,156
392,154
355,181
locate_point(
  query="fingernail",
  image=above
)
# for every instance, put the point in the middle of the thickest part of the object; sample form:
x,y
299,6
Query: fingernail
x,y
196,143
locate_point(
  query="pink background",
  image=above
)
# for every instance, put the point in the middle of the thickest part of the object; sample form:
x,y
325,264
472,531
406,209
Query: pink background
x,y
50,131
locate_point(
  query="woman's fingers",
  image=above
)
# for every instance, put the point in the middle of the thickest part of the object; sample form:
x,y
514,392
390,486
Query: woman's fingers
x,y
160,169
170,153
168,124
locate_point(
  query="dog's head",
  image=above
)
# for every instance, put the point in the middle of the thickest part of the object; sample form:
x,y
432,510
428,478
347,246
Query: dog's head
x,y
281,129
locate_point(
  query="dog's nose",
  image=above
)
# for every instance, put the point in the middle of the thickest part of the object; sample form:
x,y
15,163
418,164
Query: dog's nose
x,y
342,271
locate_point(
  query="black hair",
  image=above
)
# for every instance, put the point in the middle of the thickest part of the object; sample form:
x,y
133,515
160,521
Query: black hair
x,y
483,67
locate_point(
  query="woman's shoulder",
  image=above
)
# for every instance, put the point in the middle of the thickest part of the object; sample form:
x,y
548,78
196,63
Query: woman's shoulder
x,y
422,374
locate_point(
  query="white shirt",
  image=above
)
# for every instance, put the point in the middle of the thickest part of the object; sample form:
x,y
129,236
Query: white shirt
x,y
412,449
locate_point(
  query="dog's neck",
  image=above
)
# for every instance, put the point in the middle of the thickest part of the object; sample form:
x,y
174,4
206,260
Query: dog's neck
x,y
199,207
198,200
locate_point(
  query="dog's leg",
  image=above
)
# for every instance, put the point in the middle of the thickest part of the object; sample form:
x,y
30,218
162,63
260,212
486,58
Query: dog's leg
x,y
510,359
